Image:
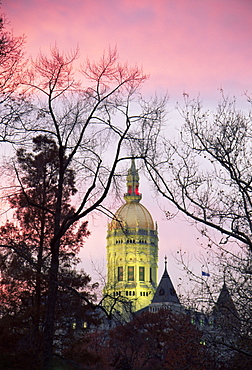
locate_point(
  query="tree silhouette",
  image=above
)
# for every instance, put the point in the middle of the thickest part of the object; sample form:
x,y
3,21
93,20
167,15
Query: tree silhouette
x,y
163,340
94,122
12,104
26,255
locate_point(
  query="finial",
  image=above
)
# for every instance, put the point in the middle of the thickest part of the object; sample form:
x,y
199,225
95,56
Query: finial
x,y
224,276
133,166
132,194
165,261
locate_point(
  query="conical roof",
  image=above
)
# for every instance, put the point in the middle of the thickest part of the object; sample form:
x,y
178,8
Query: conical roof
x,y
225,303
225,314
165,292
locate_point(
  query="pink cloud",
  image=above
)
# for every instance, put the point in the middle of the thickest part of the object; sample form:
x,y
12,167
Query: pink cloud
x,y
192,44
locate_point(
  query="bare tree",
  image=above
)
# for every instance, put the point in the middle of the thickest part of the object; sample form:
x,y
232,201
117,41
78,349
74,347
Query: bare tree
x,y
206,175
94,122
12,105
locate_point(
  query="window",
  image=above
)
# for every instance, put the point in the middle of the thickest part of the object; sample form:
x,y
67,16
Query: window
x,y
141,273
131,273
151,275
120,273
172,291
161,291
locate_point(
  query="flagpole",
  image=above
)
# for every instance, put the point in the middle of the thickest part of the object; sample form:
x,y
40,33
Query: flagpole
x,y
203,274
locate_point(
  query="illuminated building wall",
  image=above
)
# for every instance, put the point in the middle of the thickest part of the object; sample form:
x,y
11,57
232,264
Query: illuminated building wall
x,y
132,249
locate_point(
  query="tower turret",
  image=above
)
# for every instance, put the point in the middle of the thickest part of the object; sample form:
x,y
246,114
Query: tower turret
x,y
165,295
132,249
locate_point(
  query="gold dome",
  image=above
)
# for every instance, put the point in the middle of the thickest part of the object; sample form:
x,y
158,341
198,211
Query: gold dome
x,y
132,215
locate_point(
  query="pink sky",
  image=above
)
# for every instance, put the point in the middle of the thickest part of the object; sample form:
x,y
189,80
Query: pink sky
x,y
193,46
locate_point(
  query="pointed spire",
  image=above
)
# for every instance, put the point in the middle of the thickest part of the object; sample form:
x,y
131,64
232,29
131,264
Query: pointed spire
x,y
165,292
225,313
165,274
225,302
132,194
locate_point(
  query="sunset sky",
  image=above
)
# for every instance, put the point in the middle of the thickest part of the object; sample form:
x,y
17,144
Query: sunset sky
x,y
192,46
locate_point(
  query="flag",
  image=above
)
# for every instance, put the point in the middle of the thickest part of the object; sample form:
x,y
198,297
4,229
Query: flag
x,y
205,273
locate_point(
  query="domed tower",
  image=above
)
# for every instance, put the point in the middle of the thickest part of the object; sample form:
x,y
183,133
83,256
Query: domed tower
x,y
132,249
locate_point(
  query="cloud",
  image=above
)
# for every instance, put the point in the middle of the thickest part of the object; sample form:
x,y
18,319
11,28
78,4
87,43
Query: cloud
x,y
195,45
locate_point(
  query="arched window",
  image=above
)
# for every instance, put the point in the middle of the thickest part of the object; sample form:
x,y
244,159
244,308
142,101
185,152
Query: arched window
x,y
141,273
120,273
130,273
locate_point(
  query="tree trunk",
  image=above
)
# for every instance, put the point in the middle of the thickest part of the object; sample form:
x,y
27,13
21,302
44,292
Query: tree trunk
x,y
48,339
50,311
